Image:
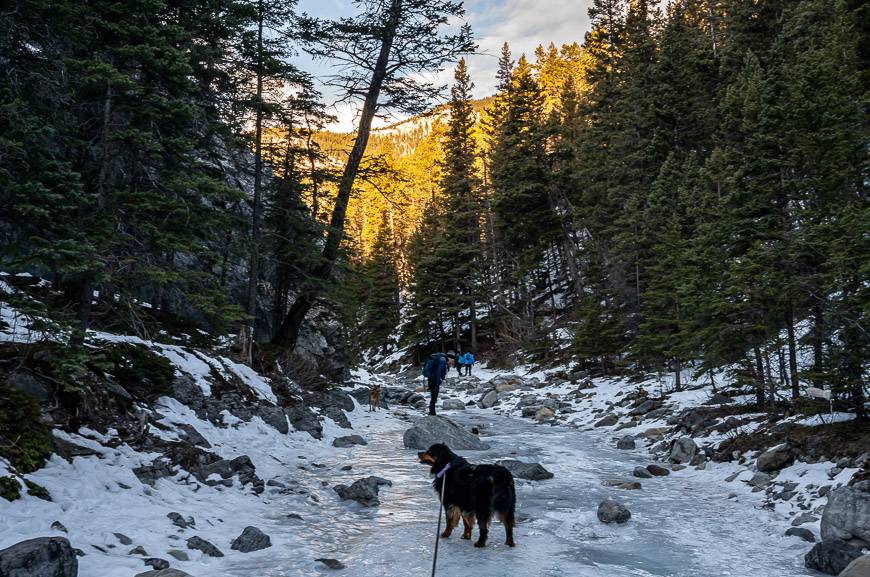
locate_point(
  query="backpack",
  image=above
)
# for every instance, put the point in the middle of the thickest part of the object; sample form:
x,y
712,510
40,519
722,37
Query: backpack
x,y
468,359
431,365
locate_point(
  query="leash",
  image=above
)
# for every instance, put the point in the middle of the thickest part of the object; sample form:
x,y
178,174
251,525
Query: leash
x,y
441,475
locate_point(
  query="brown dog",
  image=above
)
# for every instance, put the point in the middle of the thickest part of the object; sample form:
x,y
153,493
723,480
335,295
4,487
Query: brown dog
x,y
374,398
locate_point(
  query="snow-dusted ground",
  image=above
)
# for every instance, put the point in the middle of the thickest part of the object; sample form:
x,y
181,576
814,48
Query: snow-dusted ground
x,y
682,525
692,523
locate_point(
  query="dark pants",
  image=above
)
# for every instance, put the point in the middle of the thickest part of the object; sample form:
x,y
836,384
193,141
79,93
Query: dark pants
x,y
467,370
434,386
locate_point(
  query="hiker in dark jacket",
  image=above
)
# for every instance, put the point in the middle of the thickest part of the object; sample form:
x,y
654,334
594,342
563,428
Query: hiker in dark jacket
x,y
435,369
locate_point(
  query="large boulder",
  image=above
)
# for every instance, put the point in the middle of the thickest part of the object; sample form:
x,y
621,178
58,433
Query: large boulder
x,y
453,405
251,539
610,511
642,473
774,459
831,557
164,573
363,491
657,471
200,544
348,441
683,450
488,399
626,443
645,407
847,514
435,429
607,421
43,557
528,471
860,567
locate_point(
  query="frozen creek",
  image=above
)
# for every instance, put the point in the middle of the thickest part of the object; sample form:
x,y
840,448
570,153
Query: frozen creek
x,y
683,525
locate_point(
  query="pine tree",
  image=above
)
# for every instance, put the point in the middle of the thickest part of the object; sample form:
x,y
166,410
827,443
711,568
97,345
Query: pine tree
x,y
381,302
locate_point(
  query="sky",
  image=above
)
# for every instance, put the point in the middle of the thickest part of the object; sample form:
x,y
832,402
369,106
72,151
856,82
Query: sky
x,y
524,24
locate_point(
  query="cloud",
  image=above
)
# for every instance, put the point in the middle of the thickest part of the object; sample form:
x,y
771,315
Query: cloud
x,y
524,24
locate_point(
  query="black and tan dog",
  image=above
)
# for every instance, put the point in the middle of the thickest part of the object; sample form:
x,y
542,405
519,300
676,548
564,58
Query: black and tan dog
x,y
472,492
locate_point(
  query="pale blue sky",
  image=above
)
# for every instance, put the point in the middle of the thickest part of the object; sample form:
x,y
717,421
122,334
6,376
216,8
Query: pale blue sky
x,y
522,23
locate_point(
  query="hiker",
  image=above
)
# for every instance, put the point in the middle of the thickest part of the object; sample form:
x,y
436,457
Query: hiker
x,y
467,362
435,369
459,365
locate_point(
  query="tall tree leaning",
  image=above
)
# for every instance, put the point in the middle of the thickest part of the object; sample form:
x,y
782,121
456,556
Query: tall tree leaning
x,y
383,51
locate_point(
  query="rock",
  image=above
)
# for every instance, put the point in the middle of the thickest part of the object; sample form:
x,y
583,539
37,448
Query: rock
x,y
718,399
529,400
178,555
610,511
656,414
180,521
677,467
657,471
43,557
531,410
251,539
28,384
505,387
774,459
123,539
607,421
435,429
58,526
620,484
157,563
528,471
164,573
626,443
759,480
860,567
655,433
363,491
331,563
803,518
831,557
804,534
453,405
544,414
645,407
199,544
683,450
349,441
488,399
138,550
847,514
642,473
150,474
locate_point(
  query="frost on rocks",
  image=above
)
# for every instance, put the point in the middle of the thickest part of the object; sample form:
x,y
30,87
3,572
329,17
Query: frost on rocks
x,y
435,429
847,514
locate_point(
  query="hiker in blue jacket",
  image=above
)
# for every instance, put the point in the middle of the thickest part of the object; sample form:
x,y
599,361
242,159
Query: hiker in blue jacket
x,y
467,362
435,369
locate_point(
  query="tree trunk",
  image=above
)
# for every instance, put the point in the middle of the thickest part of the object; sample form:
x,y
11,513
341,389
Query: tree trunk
x,y
792,352
288,332
817,338
759,378
254,256
473,344
678,369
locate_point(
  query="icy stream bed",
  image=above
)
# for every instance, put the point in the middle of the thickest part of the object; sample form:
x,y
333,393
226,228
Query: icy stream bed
x,y
683,525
